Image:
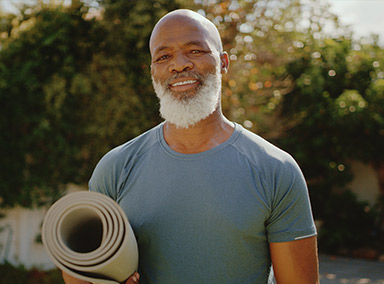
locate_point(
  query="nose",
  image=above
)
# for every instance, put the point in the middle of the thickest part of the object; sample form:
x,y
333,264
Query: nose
x,y
180,63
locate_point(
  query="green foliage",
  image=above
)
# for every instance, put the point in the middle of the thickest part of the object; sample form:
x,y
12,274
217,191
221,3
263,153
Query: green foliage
x,y
121,103
11,274
337,118
316,95
71,88
330,111
38,138
21,275
349,224
262,37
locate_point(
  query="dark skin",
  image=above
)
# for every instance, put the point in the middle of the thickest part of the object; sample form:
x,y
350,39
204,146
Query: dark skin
x,y
183,40
68,279
180,43
293,262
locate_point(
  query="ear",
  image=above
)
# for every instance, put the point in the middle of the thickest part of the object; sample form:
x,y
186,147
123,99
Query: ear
x,y
224,61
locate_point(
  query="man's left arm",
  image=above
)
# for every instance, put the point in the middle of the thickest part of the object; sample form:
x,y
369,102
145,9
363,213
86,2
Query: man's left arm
x,y
295,262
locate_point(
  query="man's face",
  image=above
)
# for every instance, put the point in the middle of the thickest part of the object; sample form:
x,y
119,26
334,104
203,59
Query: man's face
x,y
182,44
185,71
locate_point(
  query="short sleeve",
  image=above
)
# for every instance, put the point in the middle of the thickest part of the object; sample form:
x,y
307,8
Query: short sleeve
x,y
291,215
105,177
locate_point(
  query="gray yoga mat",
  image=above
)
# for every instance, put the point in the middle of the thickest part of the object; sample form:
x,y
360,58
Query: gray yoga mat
x,y
87,235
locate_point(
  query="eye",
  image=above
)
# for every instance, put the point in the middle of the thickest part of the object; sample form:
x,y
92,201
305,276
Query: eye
x,y
196,51
163,57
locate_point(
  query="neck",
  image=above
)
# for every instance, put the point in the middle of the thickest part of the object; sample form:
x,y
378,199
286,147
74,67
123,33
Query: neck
x,y
204,135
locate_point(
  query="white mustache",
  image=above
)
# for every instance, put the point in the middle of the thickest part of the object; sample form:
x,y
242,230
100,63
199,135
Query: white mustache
x,y
183,74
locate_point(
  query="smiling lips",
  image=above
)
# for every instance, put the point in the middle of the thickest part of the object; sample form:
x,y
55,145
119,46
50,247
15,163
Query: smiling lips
x,y
184,84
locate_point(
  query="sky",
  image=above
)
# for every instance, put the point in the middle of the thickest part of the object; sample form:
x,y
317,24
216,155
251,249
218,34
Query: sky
x,y
365,16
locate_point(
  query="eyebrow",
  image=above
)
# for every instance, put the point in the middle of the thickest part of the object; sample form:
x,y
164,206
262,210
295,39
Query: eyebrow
x,y
190,43
194,42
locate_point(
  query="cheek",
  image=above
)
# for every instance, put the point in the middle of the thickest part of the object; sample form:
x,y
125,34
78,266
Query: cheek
x,y
156,73
208,64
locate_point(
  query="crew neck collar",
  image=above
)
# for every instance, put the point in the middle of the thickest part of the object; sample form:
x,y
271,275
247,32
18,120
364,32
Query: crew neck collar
x,y
201,155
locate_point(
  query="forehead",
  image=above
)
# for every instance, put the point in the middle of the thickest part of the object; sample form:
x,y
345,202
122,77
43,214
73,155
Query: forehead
x,y
181,31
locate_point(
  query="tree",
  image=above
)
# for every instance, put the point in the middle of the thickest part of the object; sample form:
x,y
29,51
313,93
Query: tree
x,y
121,100
336,106
38,141
73,85
309,91
71,88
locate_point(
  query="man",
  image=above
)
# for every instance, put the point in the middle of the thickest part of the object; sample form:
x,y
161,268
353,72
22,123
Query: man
x,y
209,201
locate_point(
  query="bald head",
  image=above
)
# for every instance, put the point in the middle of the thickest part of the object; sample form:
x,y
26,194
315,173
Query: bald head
x,y
187,17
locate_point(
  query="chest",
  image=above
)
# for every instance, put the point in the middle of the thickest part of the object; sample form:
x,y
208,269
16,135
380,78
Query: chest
x,y
224,194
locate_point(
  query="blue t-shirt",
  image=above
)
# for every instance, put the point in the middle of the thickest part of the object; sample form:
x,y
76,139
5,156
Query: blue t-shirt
x,y
206,217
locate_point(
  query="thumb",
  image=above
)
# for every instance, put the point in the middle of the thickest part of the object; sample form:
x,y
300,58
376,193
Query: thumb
x,y
134,279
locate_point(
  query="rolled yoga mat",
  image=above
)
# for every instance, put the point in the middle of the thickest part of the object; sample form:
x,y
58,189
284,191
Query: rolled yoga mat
x,y
87,235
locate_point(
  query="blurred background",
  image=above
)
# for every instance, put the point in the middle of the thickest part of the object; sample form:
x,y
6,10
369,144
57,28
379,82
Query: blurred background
x,y
75,82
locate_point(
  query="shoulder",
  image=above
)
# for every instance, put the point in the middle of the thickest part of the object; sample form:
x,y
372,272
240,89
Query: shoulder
x,y
277,170
107,173
281,177
260,151
133,148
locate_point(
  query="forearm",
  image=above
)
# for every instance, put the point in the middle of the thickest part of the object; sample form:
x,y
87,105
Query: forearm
x,y
296,261
68,279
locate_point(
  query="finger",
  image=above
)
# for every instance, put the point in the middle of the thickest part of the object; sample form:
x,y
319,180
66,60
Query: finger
x,y
134,279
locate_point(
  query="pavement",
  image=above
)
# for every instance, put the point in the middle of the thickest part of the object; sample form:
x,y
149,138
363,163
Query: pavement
x,y
340,270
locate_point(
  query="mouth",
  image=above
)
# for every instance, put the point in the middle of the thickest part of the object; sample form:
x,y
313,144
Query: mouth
x,y
184,84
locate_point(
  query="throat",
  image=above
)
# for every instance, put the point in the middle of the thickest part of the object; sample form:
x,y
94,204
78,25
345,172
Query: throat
x,y
197,139
193,147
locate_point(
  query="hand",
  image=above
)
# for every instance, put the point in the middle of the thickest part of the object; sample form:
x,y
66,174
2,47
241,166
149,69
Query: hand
x,y
68,279
134,279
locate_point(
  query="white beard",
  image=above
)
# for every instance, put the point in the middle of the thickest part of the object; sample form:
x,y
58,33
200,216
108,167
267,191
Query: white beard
x,y
189,109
